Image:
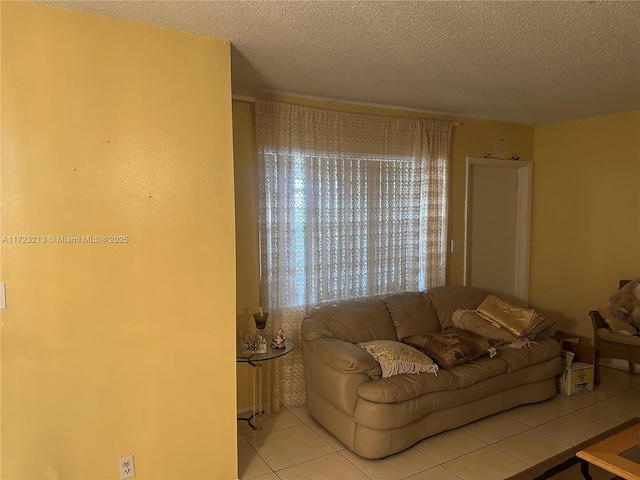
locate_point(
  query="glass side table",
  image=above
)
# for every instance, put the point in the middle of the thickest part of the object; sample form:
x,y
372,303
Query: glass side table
x,y
256,360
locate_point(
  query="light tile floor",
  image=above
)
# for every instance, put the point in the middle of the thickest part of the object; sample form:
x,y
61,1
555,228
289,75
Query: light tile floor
x,y
292,446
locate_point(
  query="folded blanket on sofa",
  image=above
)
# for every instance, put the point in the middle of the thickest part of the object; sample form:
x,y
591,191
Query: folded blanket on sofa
x,y
519,321
470,320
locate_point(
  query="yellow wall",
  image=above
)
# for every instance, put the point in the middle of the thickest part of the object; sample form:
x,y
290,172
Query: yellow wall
x,y
471,138
247,262
116,128
586,215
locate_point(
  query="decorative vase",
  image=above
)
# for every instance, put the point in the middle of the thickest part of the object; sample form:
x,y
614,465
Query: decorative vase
x,y
261,320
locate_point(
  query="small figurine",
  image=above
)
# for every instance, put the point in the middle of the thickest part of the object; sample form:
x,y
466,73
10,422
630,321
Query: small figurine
x,y
246,346
261,344
278,342
253,344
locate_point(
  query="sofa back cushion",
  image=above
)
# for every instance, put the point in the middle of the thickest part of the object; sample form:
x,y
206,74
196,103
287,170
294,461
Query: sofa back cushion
x,y
354,321
412,314
447,300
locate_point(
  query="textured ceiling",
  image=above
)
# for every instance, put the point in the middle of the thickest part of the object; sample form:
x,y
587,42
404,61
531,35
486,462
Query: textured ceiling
x,y
533,62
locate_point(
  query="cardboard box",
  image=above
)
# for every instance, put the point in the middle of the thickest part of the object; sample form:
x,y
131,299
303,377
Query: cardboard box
x,y
567,359
582,353
561,336
576,380
577,366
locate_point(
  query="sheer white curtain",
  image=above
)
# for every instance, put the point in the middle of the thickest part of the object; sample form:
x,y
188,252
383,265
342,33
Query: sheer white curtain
x,y
350,206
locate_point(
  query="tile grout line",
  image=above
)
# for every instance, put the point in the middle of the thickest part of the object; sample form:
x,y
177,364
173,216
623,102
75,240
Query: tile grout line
x,y
508,436
301,463
265,460
356,466
451,472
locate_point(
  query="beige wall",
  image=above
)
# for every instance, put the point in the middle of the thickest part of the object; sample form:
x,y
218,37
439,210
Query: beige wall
x,y
586,220
116,128
471,138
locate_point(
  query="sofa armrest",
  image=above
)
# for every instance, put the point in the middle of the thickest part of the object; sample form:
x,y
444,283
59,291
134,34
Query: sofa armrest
x,y
344,357
334,370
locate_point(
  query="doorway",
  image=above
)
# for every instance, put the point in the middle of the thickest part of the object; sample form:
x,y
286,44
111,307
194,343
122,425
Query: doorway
x,y
498,227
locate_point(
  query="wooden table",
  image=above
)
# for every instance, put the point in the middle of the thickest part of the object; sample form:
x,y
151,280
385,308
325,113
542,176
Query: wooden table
x,y
608,453
556,464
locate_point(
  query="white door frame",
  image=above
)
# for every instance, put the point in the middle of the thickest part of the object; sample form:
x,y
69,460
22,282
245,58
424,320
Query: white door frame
x,y
523,221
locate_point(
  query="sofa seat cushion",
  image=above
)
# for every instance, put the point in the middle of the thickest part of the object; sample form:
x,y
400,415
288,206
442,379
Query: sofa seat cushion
x,y
533,373
406,387
537,352
478,370
378,415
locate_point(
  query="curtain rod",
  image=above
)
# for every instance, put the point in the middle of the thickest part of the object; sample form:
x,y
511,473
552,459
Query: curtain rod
x,y
244,98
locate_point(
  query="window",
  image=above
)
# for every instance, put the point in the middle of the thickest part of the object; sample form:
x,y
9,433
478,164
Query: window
x,y
353,206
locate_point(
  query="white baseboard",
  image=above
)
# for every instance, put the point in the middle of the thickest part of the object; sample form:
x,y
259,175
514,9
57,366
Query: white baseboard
x,y
618,364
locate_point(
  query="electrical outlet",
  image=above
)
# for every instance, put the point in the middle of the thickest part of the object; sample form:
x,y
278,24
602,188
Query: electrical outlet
x,y
127,467
455,245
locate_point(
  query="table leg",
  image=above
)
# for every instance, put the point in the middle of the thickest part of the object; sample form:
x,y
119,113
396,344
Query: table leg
x,y
253,367
255,420
584,469
260,409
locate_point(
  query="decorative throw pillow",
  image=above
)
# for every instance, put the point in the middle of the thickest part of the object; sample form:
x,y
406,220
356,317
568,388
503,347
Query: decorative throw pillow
x,y
396,358
452,347
519,321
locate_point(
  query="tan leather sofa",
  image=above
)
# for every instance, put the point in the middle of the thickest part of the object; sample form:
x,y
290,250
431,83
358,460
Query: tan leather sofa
x,y
376,417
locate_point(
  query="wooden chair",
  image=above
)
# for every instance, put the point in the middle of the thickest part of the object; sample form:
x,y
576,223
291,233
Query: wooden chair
x,y
608,346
